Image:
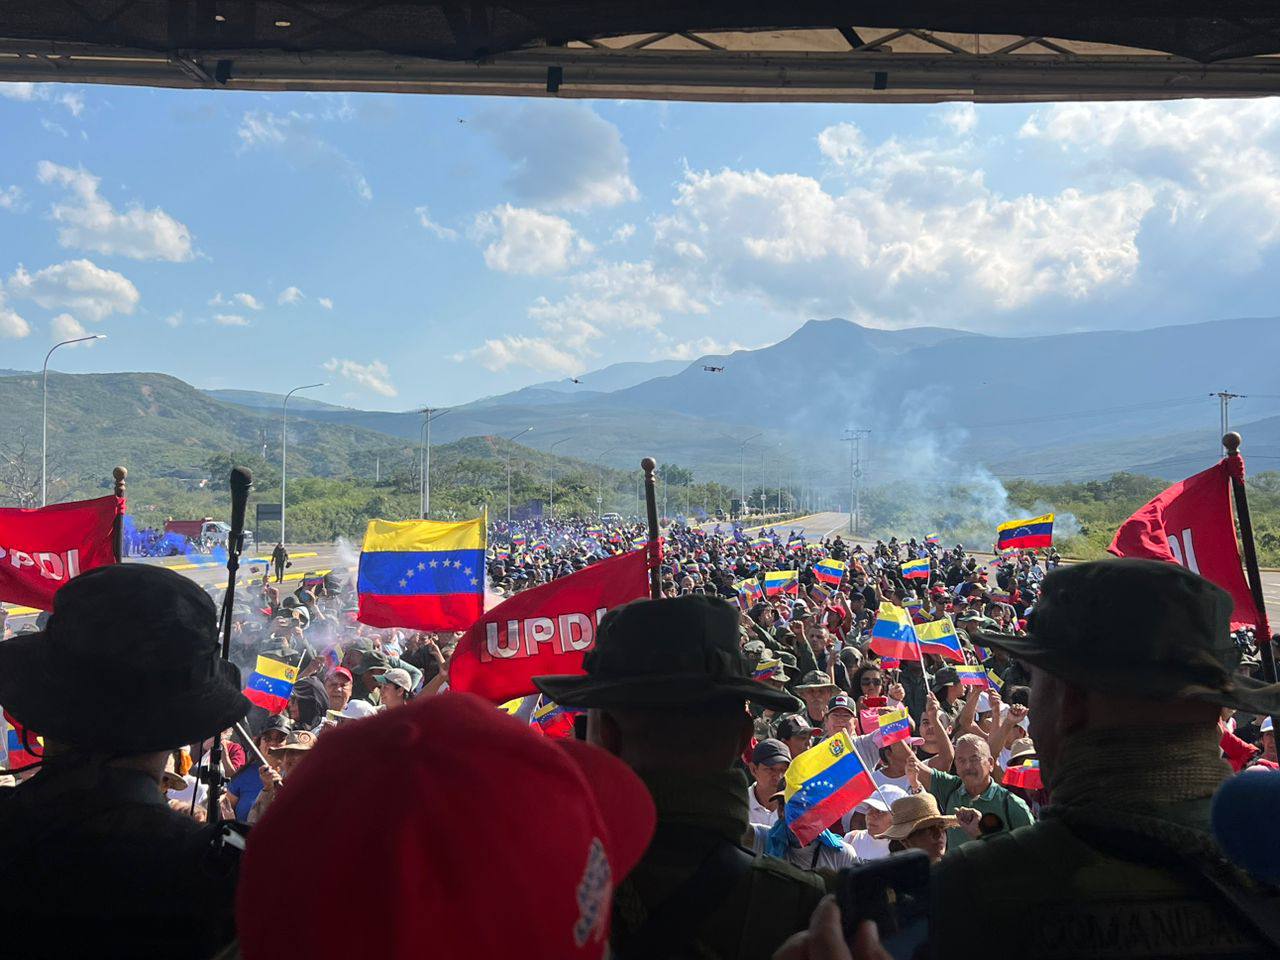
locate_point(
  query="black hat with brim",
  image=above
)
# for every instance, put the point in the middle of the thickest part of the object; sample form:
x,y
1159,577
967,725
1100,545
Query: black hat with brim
x,y
1138,628
128,663
665,652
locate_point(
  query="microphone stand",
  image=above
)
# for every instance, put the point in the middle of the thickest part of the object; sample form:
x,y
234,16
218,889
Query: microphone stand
x,y
241,480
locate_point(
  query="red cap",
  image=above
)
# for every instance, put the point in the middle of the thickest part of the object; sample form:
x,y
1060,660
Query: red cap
x,y
467,835
344,671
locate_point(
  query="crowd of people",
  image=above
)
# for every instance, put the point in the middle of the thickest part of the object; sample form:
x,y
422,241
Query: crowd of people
x,y
1060,791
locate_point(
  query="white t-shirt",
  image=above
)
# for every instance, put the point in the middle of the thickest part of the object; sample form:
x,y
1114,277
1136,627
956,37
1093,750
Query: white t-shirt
x,y
757,812
902,782
865,846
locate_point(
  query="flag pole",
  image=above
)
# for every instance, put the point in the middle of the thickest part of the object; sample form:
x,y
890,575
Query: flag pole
x,y
649,465
1232,444
117,529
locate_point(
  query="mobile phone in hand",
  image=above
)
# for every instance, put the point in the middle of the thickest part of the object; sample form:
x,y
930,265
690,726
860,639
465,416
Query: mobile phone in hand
x,y
893,892
870,702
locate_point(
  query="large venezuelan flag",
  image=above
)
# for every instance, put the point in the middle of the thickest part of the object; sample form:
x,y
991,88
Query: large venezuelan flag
x,y
1025,534
822,784
271,684
916,569
893,634
422,574
939,636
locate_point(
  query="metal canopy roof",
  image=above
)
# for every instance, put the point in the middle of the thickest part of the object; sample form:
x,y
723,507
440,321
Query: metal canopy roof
x,y
927,51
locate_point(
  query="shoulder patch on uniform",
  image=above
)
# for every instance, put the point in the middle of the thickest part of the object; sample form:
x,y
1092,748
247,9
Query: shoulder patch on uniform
x,y
781,868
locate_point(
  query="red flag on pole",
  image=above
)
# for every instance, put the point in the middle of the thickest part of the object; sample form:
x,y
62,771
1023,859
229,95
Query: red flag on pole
x,y
42,549
545,630
1191,524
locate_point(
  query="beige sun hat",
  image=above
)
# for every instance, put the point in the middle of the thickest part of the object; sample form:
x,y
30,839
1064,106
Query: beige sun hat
x,y
915,812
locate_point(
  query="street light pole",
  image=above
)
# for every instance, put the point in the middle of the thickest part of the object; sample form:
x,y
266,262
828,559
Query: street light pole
x,y
742,450
284,445
44,415
855,436
511,440
552,448
600,466
424,460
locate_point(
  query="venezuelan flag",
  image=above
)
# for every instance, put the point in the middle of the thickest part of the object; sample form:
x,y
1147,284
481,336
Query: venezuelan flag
x,y
759,542
972,676
749,590
939,636
422,574
822,784
893,634
271,684
512,707
518,540
765,669
554,720
595,531
17,739
916,569
994,681
1026,775
1025,534
933,538
893,726
830,571
890,663
781,581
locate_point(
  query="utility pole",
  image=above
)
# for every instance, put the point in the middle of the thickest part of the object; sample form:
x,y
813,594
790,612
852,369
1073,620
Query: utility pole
x,y
1224,403
855,436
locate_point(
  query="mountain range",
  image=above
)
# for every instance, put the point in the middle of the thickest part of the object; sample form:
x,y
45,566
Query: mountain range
x,y
938,402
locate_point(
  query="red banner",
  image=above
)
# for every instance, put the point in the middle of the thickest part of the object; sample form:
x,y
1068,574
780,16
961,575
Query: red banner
x,y
1191,524
544,630
42,549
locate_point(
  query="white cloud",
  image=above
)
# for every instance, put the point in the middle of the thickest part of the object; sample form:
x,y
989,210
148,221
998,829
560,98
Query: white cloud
x,y
296,136
80,286
230,320
373,375
12,325
915,228
10,197
66,327
248,301
536,353
174,319
89,222
692,349
441,232
623,233
1213,165
960,118
325,302
289,296
528,241
71,100
564,156
620,295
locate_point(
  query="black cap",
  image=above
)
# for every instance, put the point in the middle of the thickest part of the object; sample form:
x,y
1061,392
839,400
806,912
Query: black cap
x,y
945,678
793,725
770,752
842,701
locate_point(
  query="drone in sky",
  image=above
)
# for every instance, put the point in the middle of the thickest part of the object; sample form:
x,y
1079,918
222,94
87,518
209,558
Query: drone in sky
x,y
714,369
574,380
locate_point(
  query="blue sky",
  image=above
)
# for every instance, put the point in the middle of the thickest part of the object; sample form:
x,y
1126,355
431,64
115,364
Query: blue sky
x,y
374,241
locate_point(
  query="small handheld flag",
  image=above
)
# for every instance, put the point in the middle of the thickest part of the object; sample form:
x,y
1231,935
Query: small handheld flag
x,y
973,676
892,727
916,569
271,684
1025,534
994,681
830,571
822,784
939,636
893,634
932,538
749,591
781,582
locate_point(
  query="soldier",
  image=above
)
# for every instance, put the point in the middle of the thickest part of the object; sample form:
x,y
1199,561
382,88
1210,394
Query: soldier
x,y
279,560
1131,661
92,859
666,685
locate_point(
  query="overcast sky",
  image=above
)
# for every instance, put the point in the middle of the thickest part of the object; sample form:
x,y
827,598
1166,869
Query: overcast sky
x,y
429,250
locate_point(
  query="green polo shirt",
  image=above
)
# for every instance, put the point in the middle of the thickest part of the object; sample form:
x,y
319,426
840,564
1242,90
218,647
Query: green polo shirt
x,y
949,791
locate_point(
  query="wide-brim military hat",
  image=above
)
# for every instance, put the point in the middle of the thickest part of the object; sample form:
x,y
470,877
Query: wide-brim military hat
x,y
656,652
1138,628
129,662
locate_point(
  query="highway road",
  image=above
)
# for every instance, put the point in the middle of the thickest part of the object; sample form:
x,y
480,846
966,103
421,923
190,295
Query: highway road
x,y
311,559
